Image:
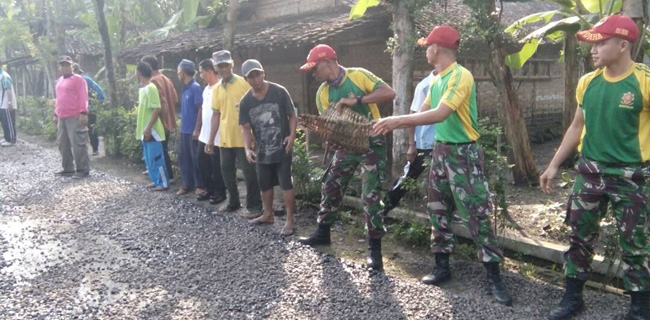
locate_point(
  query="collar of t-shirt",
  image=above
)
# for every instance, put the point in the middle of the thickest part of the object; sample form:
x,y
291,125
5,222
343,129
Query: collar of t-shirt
x,y
339,79
189,83
232,79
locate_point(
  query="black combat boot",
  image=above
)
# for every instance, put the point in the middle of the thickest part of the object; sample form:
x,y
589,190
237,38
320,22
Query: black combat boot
x,y
441,271
639,309
320,237
374,260
572,303
495,284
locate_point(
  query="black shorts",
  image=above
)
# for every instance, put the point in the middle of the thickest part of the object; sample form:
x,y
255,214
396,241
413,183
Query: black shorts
x,y
273,174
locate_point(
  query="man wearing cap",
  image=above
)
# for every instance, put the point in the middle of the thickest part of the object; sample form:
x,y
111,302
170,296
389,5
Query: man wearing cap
x,y
456,178
225,120
71,111
267,111
96,92
191,101
8,106
611,131
361,91
169,102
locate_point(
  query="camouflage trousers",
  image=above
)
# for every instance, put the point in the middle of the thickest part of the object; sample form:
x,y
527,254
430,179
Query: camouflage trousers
x,y
338,175
623,187
457,182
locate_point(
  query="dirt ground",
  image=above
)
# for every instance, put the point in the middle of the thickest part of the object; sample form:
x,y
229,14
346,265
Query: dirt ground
x,y
533,213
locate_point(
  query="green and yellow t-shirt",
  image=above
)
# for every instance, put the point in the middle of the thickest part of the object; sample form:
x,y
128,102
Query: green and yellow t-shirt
x,y
225,100
617,115
356,80
455,87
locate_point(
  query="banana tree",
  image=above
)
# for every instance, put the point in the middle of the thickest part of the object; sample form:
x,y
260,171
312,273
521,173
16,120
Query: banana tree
x,y
572,16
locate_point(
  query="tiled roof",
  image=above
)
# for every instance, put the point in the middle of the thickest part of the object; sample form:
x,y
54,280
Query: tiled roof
x,y
318,26
293,30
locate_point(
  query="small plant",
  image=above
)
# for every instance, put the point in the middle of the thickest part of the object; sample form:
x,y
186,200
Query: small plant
x,y
465,251
307,177
415,234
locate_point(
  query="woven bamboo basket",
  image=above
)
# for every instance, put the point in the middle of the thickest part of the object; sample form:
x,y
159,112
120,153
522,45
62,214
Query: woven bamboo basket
x,y
346,128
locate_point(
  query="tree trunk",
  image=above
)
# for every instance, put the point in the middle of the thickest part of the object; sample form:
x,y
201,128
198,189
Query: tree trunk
x,y
108,53
229,26
637,10
570,79
513,121
402,82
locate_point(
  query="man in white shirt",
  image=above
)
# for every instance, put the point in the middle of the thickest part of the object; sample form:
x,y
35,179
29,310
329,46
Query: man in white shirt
x,y
8,105
209,164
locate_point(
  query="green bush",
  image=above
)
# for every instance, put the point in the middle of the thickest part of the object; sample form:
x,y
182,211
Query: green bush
x,y
496,166
307,177
412,233
35,117
118,129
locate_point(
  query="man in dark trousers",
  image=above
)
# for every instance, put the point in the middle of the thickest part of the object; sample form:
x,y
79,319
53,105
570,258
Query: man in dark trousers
x,y
209,164
418,156
94,91
8,105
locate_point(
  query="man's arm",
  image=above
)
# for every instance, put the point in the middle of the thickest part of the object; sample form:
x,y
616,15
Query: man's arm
x,y
11,100
154,116
98,89
247,134
436,115
209,148
412,151
381,94
569,144
199,122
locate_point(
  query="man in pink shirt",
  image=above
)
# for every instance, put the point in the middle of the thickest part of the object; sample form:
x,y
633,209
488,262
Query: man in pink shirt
x,y
71,112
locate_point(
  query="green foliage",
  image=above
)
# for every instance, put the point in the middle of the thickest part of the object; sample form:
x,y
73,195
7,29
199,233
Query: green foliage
x,y
307,177
118,129
360,7
415,234
572,21
496,166
35,116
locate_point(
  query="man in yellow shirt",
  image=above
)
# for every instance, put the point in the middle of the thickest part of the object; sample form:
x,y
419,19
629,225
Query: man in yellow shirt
x,y
225,104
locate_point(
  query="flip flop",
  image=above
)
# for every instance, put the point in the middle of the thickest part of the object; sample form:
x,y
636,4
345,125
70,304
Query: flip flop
x,y
258,221
159,189
182,191
288,232
150,186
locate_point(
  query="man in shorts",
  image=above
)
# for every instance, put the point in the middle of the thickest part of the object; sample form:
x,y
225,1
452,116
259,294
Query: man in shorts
x,y
267,111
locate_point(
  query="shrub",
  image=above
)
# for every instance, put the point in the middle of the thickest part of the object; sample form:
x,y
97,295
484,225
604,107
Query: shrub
x,y
35,117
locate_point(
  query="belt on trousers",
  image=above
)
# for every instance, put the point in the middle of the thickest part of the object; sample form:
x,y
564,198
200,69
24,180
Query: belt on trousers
x,y
454,143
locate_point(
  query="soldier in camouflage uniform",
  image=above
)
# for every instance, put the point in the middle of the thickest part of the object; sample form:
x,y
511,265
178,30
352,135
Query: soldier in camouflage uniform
x,y
456,178
611,130
361,91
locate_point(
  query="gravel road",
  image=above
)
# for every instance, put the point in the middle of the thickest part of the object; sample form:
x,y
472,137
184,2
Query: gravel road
x,y
106,248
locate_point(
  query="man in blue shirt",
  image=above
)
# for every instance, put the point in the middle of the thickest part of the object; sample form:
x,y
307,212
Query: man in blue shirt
x,y
95,92
191,101
421,142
